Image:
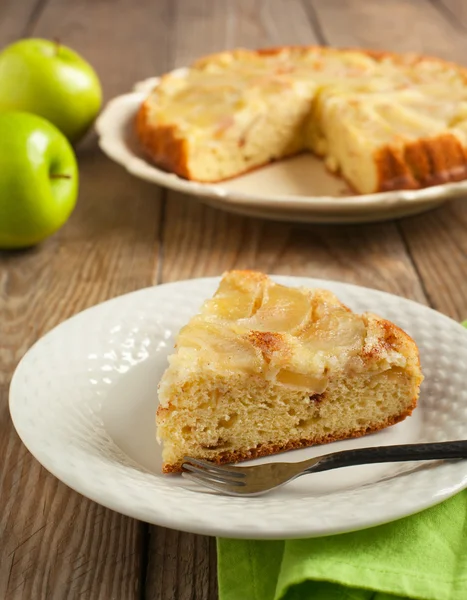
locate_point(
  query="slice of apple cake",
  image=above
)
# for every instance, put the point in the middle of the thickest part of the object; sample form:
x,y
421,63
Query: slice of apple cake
x,y
265,368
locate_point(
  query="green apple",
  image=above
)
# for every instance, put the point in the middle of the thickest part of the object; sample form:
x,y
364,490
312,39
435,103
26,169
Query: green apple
x,y
52,81
38,179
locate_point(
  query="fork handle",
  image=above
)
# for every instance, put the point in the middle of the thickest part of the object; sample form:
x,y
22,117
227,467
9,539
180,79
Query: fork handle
x,y
382,454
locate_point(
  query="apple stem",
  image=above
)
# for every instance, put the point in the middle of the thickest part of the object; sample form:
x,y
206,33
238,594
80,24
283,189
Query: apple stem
x,y
60,176
57,46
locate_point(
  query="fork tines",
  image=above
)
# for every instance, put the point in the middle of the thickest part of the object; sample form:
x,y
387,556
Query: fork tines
x,y
211,475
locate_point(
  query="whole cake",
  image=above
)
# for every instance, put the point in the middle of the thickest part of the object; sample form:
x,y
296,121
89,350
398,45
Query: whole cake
x,y
265,368
381,120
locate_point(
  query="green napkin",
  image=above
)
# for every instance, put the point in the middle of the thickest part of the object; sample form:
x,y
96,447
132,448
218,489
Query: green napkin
x,y
420,557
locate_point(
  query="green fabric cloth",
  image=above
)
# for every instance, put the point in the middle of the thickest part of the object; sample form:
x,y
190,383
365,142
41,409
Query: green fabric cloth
x,y
420,557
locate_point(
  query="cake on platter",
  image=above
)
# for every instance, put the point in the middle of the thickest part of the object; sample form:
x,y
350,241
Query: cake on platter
x,y
380,120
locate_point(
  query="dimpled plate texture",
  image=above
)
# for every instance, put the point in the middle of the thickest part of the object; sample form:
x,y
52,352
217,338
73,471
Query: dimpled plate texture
x,y
83,400
299,189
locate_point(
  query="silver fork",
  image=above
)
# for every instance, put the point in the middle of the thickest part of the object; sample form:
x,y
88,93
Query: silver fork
x,y
259,479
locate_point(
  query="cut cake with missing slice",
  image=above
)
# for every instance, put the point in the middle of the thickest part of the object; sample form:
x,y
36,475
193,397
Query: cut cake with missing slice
x,y
382,121
265,368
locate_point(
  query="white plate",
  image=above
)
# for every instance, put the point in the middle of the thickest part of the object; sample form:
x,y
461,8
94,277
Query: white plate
x,y
83,400
297,189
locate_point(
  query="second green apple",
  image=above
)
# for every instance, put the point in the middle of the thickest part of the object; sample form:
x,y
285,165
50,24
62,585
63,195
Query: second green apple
x,y
52,81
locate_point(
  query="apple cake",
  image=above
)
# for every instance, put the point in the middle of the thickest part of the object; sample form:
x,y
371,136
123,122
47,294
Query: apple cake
x,y
380,120
265,368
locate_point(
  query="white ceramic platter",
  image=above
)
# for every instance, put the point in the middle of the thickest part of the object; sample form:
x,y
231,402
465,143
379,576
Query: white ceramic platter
x,y
83,400
298,189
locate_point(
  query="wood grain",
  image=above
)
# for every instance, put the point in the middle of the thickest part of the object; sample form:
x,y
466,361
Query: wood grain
x,y
200,27
56,544
455,11
438,246
125,234
181,566
397,25
17,19
204,241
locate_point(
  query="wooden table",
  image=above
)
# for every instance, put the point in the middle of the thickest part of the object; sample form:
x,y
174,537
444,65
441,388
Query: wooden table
x,y
126,234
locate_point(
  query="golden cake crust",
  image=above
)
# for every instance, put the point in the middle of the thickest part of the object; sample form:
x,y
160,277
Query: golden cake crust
x,y
164,147
421,163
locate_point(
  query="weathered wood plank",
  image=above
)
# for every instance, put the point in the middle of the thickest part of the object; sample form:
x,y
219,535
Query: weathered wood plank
x,y
55,543
181,566
455,11
397,25
438,246
201,27
18,18
204,241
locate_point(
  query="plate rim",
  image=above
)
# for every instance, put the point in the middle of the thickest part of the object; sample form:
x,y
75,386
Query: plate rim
x,y
166,519
113,145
